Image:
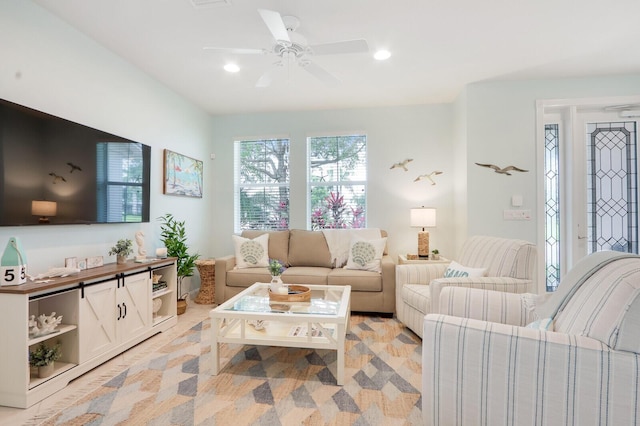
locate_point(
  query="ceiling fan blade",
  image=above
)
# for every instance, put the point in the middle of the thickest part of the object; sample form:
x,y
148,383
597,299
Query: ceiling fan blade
x,y
320,73
341,47
237,50
274,22
264,80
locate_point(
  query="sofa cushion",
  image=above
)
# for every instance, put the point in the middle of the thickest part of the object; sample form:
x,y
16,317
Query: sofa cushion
x,y
308,248
278,243
606,307
358,280
306,275
251,253
247,276
366,254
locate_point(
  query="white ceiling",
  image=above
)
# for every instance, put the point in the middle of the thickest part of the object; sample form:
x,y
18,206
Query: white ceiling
x,y
438,46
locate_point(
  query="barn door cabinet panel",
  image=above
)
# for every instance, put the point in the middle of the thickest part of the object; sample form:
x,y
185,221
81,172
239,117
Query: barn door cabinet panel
x,y
105,311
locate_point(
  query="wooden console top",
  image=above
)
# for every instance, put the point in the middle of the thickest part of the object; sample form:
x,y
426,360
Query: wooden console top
x,y
109,269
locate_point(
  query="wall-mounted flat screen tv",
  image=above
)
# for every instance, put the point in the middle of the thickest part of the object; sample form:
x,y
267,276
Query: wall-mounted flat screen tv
x,y
55,171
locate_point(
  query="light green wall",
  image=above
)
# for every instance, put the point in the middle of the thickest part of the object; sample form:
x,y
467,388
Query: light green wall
x,y
393,134
50,66
501,129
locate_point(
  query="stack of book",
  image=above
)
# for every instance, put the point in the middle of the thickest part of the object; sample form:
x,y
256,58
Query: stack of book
x,y
159,286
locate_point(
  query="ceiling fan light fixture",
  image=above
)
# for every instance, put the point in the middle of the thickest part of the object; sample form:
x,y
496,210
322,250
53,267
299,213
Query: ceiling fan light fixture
x,y
382,55
233,68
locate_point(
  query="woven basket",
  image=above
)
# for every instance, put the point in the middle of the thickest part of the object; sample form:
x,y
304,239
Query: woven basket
x,y
302,294
182,306
207,270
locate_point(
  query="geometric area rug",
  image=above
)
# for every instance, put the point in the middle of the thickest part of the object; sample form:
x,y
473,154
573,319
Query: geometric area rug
x,y
263,385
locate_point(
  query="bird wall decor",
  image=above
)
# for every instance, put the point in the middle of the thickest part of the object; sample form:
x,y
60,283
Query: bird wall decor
x,y
402,164
428,176
73,167
57,178
504,170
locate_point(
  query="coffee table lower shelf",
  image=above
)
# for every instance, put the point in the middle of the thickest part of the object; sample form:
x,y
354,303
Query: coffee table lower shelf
x,y
280,329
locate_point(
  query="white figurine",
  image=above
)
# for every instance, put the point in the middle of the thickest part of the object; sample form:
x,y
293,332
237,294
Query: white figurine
x,y
142,253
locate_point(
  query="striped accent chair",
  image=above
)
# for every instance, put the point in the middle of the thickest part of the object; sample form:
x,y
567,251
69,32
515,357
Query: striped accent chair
x,y
495,366
509,267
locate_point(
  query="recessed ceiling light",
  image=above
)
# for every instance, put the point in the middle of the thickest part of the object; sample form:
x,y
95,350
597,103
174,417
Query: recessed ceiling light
x,y
231,68
381,55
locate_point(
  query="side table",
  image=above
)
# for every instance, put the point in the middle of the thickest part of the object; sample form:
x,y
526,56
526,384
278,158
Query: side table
x,y
207,270
402,260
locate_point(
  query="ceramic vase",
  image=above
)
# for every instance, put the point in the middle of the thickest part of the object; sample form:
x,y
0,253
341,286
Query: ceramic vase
x,y
276,283
45,371
121,260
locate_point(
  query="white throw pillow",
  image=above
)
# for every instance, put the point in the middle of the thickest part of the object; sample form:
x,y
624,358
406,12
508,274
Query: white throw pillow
x,y
252,253
542,324
366,254
457,270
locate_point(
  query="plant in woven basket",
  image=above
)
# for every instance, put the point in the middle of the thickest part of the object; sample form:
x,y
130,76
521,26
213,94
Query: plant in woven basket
x,y
174,236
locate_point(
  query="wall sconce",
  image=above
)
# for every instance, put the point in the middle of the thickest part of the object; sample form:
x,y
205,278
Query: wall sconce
x,y
44,209
423,217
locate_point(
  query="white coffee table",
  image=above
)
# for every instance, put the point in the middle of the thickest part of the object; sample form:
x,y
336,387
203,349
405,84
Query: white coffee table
x,y
285,324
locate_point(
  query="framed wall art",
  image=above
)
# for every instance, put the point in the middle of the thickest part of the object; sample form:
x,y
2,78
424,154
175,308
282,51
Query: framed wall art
x,y
182,175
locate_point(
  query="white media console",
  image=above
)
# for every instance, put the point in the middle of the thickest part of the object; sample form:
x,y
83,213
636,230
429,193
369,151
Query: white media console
x,y
105,311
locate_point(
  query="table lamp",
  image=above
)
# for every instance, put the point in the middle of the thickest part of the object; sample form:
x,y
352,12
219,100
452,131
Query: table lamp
x,y
423,217
44,209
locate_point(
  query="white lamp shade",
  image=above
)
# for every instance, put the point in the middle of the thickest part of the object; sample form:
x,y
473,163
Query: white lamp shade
x,y
44,208
423,217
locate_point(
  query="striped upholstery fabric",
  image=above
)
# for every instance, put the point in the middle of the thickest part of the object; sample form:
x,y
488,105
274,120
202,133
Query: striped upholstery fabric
x,y
493,306
501,256
413,296
607,307
510,265
586,372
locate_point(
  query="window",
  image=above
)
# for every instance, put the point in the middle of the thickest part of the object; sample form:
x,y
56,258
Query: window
x,y
261,184
120,182
337,181
552,205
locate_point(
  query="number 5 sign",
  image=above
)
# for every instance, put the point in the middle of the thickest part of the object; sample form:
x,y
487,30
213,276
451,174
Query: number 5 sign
x,y
13,266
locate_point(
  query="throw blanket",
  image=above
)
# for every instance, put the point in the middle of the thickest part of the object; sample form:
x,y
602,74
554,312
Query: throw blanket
x,y
584,269
339,241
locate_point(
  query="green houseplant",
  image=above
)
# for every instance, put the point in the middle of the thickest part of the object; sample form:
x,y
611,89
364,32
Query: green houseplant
x,y
43,357
122,249
435,254
174,237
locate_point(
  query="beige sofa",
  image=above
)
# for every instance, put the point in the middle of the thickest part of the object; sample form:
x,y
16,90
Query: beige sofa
x,y
308,261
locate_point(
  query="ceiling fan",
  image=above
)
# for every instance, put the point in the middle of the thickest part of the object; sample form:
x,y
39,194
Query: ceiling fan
x,y
291,47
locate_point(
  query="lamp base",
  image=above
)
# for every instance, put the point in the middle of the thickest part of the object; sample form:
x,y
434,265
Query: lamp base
x,y
423,244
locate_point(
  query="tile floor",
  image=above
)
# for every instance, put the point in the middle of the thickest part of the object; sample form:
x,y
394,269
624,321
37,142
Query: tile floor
x,y
17,416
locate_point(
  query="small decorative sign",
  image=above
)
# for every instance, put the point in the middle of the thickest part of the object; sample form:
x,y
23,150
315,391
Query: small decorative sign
x,y
94,262
13,264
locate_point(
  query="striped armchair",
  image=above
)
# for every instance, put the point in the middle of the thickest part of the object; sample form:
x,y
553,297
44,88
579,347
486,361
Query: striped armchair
x,y
484,367
510,266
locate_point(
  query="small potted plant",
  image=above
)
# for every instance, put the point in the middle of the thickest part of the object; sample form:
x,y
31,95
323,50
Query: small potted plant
x,y
275,269
122,249
435,254
43,357
174,237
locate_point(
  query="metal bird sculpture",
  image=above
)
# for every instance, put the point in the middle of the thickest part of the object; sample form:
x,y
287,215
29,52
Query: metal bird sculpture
x,y
428,176
74,167
57,178
402,164
503,171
